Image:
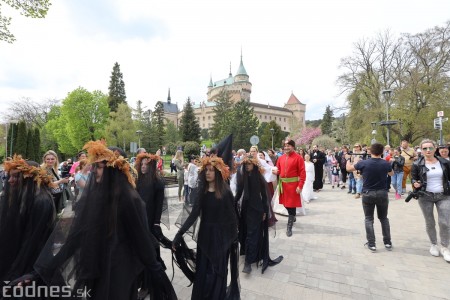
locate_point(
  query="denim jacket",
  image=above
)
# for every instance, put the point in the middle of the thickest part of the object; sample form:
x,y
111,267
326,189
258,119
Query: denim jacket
x,y
419,173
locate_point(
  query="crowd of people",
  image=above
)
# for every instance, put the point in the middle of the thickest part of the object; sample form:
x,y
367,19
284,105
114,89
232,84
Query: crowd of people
x,y
109,245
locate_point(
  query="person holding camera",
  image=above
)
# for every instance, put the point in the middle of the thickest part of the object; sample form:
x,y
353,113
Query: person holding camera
x,y
374,193
397,161
430,176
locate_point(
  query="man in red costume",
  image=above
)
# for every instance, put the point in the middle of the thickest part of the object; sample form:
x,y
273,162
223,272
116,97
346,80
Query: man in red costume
x,y
292,175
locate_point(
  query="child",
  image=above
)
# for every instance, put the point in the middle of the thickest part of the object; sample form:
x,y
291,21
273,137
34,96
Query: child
x,y
335,174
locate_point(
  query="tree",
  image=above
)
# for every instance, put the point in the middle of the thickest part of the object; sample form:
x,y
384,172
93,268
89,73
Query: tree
x,y
172,133
37,145
116,89
120,128
189,127
265,135
327,121
30,145
325,141
158,131
81,118
205,134
307,135
33,113
222,116
244,124
21,144
12,138
31,9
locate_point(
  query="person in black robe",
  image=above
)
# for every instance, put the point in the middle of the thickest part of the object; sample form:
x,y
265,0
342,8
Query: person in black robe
x,y
102,248
27,218
217,233
251,198
318,158
151,187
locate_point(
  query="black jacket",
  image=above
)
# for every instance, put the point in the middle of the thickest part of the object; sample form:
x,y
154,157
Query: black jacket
x,y
419,173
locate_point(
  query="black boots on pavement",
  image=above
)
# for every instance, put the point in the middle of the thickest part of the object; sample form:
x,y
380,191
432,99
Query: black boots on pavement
x,y
289,225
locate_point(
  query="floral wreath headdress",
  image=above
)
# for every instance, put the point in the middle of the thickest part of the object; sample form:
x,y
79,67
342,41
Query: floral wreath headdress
x,y
255,161
142,156
217,163
98,152
40,176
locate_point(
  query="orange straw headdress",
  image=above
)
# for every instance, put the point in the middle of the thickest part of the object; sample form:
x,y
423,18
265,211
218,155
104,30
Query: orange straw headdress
x,y
40,176
217,163
142,156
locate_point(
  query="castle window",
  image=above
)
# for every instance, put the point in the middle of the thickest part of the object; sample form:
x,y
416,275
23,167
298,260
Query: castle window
x,y
284,128
270,117
265,117
209,117
285,121
260,116
203,118
280,118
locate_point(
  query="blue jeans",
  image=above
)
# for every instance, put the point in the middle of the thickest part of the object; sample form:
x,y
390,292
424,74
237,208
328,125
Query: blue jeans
x,y
380,200
396,180
359,184
351,183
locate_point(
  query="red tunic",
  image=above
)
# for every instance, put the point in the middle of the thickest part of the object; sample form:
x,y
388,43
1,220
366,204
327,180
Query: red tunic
x,y
291,165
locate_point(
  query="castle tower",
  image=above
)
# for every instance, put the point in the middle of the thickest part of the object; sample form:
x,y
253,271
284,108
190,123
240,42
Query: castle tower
x,y
298,111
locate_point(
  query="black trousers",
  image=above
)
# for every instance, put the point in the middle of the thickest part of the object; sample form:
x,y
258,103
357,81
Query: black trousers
x,y
379,200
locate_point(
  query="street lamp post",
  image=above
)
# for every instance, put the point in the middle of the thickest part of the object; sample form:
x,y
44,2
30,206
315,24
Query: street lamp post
x,y
271,131
139,132
387,123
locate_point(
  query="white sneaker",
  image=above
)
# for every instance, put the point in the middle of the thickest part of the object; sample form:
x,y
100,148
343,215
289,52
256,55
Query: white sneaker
x,y
434,250
446,254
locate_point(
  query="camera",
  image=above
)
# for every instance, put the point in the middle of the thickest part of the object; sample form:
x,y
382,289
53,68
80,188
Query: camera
x,y
415,193
363,154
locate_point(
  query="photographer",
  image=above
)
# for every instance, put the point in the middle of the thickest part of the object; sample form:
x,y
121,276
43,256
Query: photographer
x,y
374,193
397,162
430,175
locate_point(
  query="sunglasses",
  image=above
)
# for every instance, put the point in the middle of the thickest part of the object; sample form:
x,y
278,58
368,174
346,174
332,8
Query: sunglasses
x,y
428,148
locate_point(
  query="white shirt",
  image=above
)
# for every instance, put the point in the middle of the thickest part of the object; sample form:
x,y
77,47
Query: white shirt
x,y
434,178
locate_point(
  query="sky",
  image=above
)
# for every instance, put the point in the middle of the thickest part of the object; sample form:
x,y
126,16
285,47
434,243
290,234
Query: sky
x,y
288,46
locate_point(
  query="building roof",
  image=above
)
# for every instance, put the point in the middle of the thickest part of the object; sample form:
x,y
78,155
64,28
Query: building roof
x,y
206,103
241,70
226,81
293,100
269,106
170,107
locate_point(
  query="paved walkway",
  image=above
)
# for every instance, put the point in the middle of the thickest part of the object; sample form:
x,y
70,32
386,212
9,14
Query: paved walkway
x,y
325,257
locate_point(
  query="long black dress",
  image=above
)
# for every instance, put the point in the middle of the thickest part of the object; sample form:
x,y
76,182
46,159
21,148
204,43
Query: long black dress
x,y
216,242
318,169
105,246
26,221
253,230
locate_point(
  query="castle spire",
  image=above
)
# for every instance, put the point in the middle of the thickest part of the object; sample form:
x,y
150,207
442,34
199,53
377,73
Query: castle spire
x,y
230,71
168,97
241,70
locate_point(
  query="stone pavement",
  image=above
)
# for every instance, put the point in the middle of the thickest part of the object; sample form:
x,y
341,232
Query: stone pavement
x,y
325,258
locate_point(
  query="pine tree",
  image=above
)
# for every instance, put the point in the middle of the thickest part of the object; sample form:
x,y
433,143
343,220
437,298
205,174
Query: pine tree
x,y
327,121
21,144
116,89
244,124
30,146
189,127
222,116
158,127
37,144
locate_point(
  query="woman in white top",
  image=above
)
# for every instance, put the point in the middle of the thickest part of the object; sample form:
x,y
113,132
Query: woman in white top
x,y
307,192
431,175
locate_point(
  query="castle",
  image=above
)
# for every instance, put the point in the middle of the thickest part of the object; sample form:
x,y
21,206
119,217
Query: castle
x,y
290,117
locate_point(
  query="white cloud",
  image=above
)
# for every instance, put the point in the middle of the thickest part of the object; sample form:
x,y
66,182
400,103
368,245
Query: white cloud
x,y
287,46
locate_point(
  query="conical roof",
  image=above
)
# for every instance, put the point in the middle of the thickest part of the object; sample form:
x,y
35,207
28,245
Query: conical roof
x,y
241,70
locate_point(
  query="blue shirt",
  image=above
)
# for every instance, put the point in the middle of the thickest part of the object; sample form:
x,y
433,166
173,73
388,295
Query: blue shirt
x,y
374,172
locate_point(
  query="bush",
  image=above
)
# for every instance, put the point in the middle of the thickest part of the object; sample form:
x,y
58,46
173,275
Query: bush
x,y
325,141
191,148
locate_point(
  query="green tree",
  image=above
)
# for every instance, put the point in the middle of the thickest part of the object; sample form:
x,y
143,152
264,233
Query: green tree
x,y
222,116
30,146
172,133
37,145
31,9
116,89
53,131
21,144
204,134
266,136
325,141
12,138
158,131
189,127
83,116
244,124
120,128
327,120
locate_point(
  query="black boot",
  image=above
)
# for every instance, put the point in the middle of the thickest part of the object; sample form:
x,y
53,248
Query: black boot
x,y
289,226
247,268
